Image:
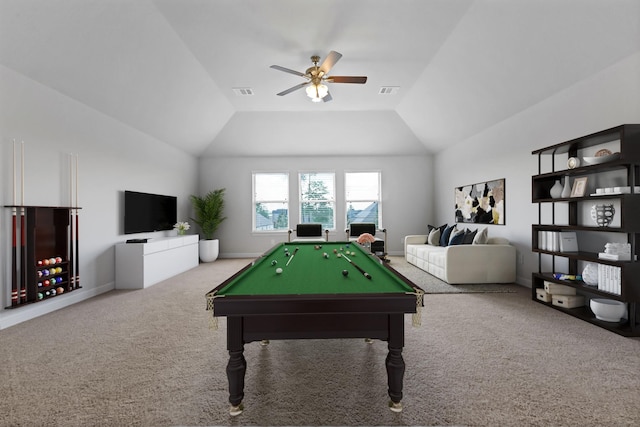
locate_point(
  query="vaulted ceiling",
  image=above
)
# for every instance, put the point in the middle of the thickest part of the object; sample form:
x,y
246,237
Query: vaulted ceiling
x,y
168,67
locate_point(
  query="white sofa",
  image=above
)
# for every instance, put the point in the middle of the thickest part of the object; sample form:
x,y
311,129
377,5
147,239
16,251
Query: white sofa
x,y
493,262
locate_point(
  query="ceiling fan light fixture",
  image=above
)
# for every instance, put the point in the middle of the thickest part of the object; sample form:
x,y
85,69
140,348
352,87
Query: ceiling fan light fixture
x,y
317,91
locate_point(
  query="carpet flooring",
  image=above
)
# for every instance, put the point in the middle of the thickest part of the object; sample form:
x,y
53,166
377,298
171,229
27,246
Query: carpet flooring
x,y
148,358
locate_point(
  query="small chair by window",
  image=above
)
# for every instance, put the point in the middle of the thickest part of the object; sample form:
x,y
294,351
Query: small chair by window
x,y
309,233
358,228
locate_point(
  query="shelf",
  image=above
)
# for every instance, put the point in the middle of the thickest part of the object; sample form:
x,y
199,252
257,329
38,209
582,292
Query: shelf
x,y
586,170
623,328
588,198
625,133
575,216
578,284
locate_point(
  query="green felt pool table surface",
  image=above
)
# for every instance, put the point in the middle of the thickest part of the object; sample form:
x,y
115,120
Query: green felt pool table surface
x,y
310,272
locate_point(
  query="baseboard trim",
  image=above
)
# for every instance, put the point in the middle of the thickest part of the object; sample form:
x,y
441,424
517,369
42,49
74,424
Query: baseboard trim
x,y
11,317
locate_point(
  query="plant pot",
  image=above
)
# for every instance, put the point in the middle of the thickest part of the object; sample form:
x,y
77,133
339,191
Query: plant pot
x,y
209,250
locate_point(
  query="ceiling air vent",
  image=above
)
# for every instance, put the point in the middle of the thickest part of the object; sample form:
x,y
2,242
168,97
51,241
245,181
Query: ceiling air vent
x,y
243,91
389,90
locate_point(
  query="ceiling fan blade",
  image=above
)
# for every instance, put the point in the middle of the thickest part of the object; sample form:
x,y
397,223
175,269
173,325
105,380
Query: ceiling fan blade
x,y
287,70
327,97
347,79
294,88
330,61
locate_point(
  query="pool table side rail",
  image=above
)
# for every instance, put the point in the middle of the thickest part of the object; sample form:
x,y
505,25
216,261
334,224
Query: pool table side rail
x,y
247,305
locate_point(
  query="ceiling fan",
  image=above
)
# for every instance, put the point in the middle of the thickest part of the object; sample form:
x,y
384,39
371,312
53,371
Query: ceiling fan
x,y
316,77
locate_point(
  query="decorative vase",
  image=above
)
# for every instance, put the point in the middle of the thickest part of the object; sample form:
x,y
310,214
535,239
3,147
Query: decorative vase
x,y
566,190
181,232
209,250
556,190
602,214
590,274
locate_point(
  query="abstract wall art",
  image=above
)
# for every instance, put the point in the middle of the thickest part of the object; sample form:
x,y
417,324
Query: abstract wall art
x,y
481,203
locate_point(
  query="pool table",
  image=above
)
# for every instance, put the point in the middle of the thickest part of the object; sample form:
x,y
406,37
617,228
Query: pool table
x,y
323,290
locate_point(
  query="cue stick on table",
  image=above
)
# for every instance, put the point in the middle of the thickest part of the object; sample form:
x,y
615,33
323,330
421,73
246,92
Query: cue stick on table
x,y
294,254
365,274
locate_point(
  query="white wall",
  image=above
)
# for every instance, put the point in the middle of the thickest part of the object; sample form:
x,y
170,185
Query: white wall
x,y
113,157
407,186
605,100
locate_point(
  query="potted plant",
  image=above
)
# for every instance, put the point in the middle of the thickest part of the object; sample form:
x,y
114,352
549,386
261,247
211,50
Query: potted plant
x,y
208,212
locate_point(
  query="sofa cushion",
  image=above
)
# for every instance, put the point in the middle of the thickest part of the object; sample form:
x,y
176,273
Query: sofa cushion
x,y
457,237
430,228
468,236
481,237
444,237
434,237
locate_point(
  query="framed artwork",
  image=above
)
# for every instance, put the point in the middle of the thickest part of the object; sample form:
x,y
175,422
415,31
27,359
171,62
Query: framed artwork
x,y
481,203
579,187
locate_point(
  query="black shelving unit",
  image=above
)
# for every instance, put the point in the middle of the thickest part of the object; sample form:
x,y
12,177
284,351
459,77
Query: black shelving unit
x,y
628,165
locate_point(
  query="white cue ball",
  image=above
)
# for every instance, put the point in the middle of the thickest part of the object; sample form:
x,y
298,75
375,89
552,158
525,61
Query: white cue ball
x,y
278,271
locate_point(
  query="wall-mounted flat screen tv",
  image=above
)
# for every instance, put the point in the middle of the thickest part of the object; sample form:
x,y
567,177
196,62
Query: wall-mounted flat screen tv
x,y
144,212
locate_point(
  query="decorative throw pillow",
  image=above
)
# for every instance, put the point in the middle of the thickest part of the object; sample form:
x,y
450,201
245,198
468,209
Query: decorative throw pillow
x,y
434,237
457,237
431,227
481,237
468,236
444,237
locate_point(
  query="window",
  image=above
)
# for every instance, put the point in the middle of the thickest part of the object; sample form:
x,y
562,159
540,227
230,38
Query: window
x,y
362,194
317,199
270,201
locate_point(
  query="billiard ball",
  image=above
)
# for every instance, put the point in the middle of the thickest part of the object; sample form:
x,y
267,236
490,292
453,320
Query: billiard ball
x,y
325,255
316,247
287,253
45,261
40,296
339,255
278,270
39,262
274,262
60,289
335,251
345,273
58,259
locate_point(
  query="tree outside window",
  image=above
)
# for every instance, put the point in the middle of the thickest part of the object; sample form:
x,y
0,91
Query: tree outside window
x,y
271,201
317,199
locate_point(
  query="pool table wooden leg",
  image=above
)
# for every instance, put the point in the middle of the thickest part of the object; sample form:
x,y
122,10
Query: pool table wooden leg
x,y
237,366
394,361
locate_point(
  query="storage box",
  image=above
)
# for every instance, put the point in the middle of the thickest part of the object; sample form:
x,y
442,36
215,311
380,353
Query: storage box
x,y
543,295
556,289
567,301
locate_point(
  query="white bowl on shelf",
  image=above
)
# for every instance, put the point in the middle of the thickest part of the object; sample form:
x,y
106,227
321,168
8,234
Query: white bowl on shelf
x,y
608,310
600,159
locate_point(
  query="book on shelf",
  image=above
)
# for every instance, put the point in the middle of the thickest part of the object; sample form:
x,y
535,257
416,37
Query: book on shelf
x,y
610,279
558,241
568,241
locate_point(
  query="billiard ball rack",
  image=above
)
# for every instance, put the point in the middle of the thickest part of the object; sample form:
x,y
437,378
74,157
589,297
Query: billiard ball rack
x,y
45,252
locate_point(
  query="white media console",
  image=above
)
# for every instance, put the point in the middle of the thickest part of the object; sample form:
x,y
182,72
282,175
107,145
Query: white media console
x,y
140,265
